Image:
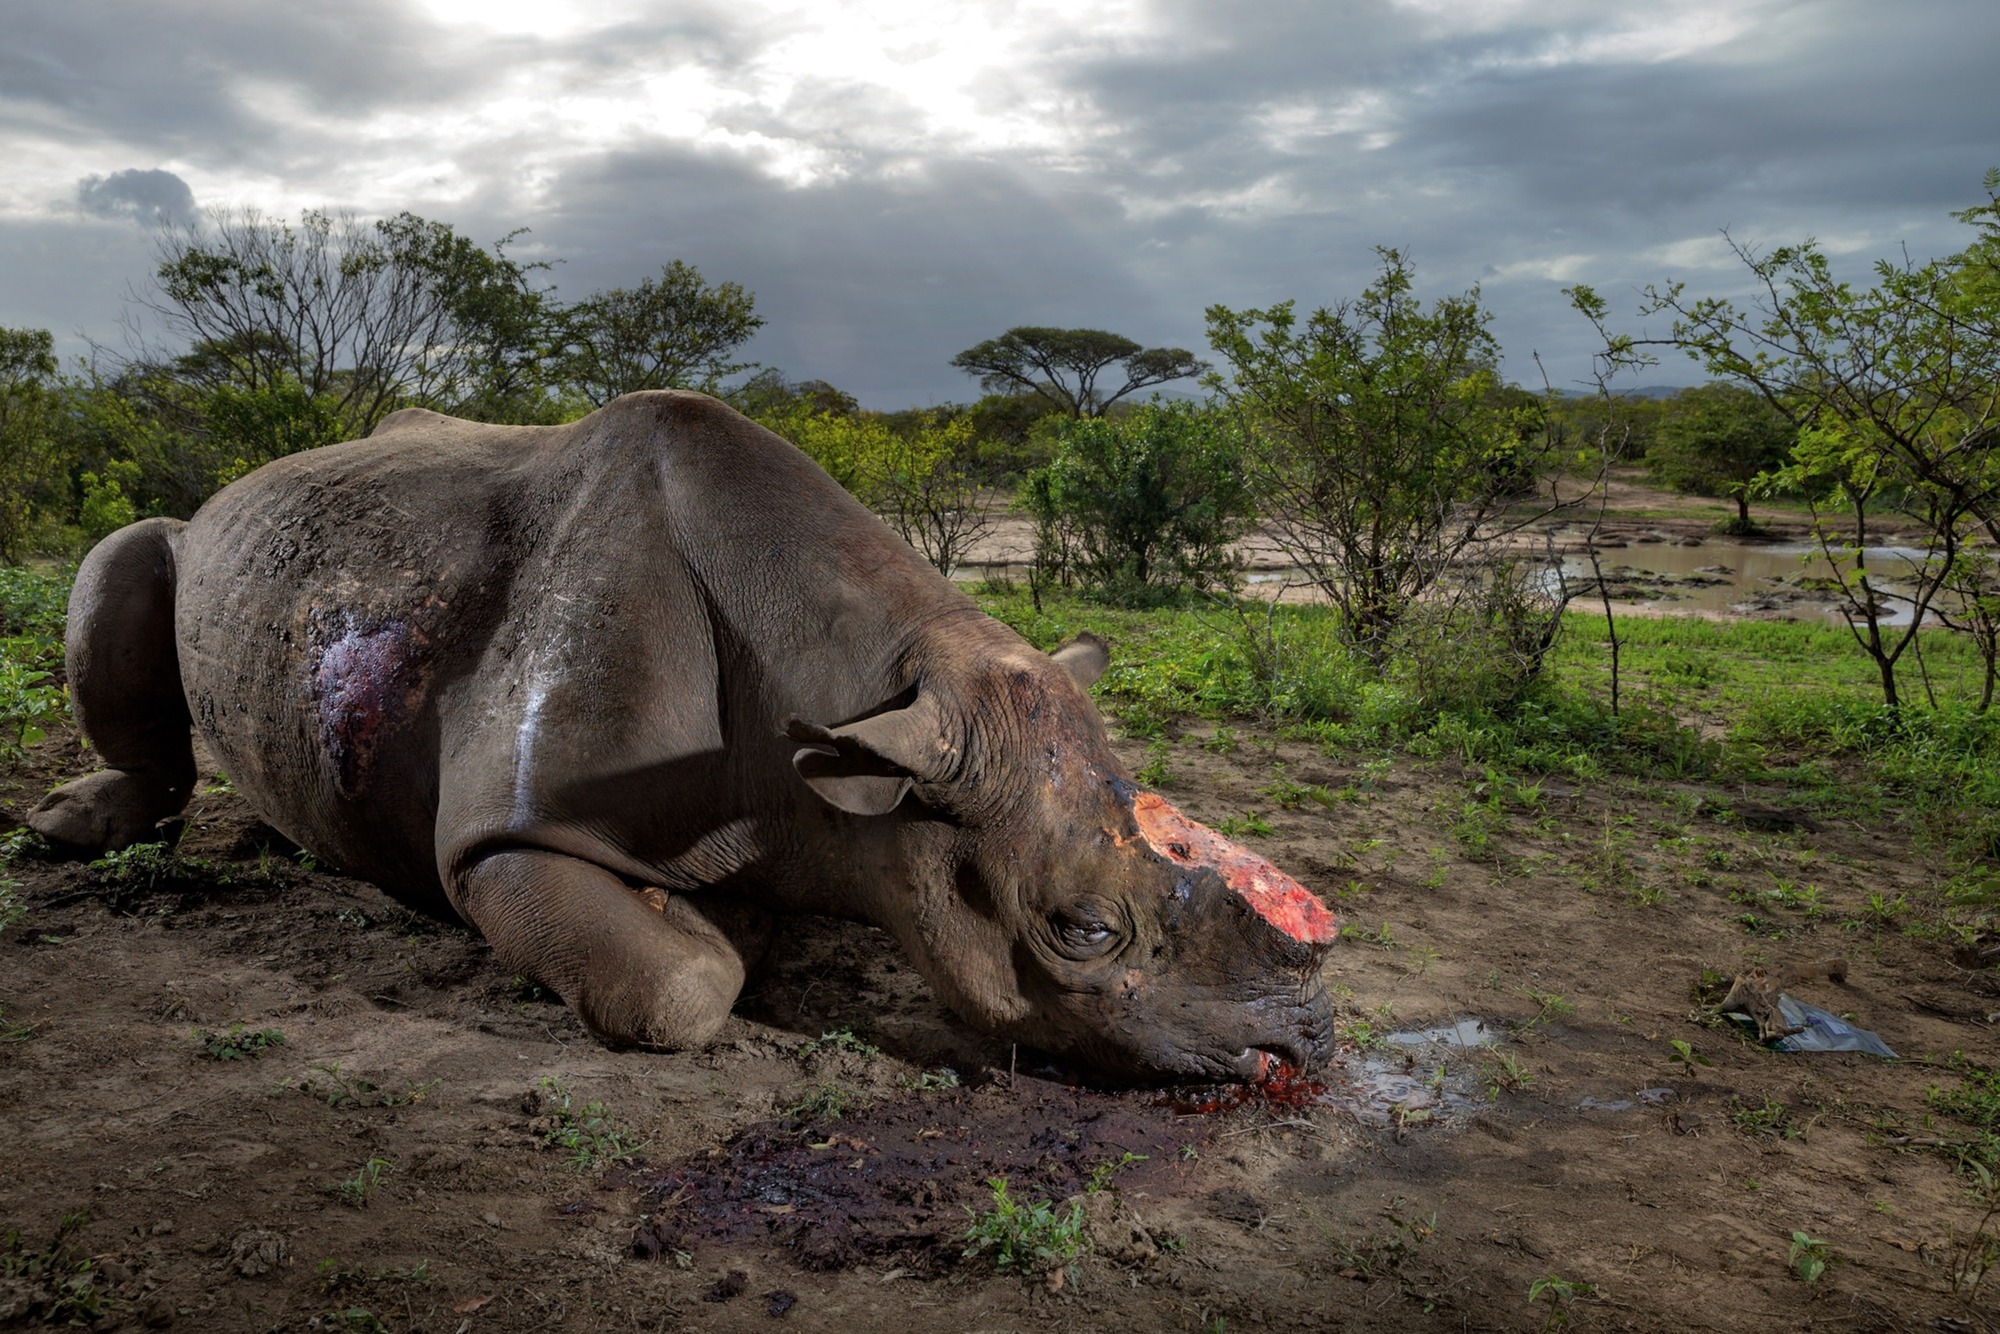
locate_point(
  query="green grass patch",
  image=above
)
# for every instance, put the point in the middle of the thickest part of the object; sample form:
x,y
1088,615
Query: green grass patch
x,y
1031,1237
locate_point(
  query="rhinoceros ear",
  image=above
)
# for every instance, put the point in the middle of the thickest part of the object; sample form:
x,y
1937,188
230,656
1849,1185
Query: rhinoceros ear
x,y
866,767
1084,658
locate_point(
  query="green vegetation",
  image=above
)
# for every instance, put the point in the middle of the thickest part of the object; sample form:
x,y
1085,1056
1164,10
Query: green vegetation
x,y
356,1190
238,1043
1140,507
1719,440
1030,1238
1383,448
588,1133
340,1091
1809,1258
1101,1175
59,1282
1558,1292
838,1040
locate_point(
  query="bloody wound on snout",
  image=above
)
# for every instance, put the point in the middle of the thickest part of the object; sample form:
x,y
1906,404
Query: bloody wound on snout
x,y
1278,899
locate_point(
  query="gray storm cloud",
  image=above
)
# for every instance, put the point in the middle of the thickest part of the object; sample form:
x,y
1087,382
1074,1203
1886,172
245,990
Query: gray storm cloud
x,y
147,195
1240,155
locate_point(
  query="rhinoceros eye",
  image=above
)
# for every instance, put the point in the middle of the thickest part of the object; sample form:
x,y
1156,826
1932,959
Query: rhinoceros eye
x,y
1082,931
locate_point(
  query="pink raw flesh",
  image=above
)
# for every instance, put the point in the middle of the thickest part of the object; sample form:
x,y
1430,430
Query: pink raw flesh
x,y
1278,899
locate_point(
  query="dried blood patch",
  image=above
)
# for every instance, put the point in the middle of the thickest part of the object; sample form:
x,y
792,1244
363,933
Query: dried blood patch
x,y
1278,899
895,1181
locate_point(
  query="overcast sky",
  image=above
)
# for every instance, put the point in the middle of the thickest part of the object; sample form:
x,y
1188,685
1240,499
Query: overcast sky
x,y
897,179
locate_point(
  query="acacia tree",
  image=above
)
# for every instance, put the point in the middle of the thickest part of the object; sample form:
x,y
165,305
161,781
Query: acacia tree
x,y
674,332
1377,442
1718,440
1894,391
1063,366
360,318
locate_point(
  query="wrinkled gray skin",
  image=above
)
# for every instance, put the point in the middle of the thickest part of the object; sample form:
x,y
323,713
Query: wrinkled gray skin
x,y
618,691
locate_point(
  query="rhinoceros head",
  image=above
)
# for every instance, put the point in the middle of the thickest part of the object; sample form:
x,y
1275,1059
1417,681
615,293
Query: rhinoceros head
x,y
1059,904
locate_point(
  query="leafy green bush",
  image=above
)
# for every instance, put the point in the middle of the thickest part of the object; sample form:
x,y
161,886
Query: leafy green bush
x,y
1144,504
34,603
1030,1238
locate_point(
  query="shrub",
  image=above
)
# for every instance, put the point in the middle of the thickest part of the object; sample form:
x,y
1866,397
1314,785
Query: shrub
x,y
1142,505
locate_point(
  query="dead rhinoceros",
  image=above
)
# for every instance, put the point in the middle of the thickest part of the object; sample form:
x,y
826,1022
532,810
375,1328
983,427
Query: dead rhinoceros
x,y
617,691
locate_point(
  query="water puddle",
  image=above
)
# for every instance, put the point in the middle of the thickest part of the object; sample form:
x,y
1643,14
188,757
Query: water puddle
x,y
1460,1033
1395,1091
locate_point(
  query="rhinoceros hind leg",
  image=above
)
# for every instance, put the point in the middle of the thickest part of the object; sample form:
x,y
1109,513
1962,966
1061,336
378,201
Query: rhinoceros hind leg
x,y
638,966
125,688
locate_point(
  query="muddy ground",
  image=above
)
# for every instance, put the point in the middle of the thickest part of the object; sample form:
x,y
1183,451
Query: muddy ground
x,y
817,1167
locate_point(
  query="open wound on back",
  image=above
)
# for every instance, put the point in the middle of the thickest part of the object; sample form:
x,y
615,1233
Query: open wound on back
x,y
368,683
1278,899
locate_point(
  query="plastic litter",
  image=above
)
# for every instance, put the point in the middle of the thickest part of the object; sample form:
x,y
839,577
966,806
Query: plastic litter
x,y
1817,1030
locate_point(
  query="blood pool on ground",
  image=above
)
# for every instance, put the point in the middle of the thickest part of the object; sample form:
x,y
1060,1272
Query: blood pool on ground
x,y
1278,899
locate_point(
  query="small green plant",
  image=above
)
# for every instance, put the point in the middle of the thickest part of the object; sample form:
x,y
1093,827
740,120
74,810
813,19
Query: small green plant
x,y
1222,742
1030,1238
341,1091
1558,1292
19,1032
840,1039
930,1081
1363,1035
1386,1252
12,909
58,1281
587,1133
335,1274
825,1101
356,1190
1506,1075
1810,1258
1708,990
1290,795
1550,1006
1158,770
350,1320
1771,1118
239,1043
1379,936
1100,1176
1250,823
1879,911
1687,1057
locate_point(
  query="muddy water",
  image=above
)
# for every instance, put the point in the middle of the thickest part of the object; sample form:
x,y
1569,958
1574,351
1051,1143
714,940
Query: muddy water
x,y
1727,576
1704,576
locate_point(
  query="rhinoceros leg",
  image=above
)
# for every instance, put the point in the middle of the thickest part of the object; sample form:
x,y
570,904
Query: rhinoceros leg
x,y
125,687
639,966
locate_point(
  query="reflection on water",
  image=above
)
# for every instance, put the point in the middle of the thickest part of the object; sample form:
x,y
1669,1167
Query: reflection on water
x,y
1727,575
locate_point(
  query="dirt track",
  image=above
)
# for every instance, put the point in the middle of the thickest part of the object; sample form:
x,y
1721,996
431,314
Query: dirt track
x,y
824,1182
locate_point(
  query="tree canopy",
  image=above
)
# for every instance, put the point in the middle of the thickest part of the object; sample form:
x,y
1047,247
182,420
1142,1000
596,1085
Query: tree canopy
x,y
674,332
1063,366
1717,440
1379,444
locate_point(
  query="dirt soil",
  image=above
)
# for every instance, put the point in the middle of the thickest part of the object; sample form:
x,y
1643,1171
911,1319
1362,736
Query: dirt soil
x,y
818,1166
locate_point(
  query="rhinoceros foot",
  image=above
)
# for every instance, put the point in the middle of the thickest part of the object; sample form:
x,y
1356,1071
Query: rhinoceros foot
x,y
103,812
